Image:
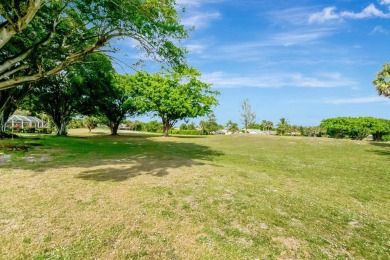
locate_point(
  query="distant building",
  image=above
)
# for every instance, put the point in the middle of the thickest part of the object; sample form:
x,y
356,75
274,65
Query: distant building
x,y
24,121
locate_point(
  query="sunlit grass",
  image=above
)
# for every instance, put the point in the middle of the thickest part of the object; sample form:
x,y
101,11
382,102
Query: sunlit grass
x,y
220,197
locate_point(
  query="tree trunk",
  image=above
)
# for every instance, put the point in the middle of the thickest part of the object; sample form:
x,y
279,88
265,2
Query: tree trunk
x,y
9,101
166,126
3,121
61,127
114,128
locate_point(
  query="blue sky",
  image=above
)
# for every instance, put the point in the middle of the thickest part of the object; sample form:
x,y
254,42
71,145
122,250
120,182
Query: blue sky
x,y
304,60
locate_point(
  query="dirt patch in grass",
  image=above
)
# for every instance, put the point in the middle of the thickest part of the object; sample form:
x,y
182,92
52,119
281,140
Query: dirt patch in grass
x,y
4,158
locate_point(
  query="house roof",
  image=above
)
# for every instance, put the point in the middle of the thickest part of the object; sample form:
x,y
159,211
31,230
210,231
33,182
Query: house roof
x,y
18,118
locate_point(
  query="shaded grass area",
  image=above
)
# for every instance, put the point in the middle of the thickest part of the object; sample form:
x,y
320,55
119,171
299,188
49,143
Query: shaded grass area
x,y
220,197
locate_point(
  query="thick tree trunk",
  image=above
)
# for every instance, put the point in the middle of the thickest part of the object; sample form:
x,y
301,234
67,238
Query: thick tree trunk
x,y
10,29
61,128
114,128
166,126
3,121
9,101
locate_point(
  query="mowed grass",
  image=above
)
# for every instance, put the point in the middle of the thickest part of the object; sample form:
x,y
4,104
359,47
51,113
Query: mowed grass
x,y
91,196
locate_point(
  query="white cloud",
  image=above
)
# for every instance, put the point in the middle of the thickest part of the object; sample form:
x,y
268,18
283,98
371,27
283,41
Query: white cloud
x,y
329,14
385,2
278,80
200,20
356,100
326,15
369,11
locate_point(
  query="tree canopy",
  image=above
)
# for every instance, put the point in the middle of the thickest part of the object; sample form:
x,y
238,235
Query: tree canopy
x,y
39,38
356,127
172,96
73,91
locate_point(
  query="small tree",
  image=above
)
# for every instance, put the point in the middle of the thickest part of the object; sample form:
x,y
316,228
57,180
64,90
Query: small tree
x,y
248,117
231,126
90,122
267,125
210,125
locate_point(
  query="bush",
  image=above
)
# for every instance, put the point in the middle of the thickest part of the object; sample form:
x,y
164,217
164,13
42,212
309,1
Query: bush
x,y
29,129
76,123
44,130
385,138
184,132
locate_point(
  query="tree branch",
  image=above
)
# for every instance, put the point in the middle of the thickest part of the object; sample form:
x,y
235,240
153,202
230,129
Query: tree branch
x,y
10,29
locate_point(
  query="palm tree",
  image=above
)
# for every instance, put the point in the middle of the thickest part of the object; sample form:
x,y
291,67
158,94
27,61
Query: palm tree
x,y
282,126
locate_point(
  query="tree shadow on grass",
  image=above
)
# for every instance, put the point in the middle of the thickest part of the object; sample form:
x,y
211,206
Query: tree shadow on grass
x,y
106,158
384,148
143,166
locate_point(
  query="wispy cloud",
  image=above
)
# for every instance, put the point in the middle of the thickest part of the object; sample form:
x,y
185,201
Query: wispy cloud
x,y
356,100
330,14
200,19
293,16
379,29
278,80
300,37
196,3
197,48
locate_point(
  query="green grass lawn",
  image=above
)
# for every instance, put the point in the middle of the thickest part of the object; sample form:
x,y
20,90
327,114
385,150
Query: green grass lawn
x,y
215,197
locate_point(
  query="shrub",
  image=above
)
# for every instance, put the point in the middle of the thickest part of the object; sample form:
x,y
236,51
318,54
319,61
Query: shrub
x,y
385,138
44,130
184,132
29,129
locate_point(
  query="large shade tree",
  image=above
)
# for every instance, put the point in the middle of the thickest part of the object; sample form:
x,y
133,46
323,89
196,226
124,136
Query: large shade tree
x,y
9,101
114,102
73,91
172,96
39,38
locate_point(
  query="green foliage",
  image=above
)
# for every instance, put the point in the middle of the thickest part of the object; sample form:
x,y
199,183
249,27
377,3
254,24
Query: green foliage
x,y
385,138
75,91
135,126
184,132
382,81
231,126
356,128
210,125
255,126
76,123
58,33
267,125
312,131
283,126
153,126
91,122
172,96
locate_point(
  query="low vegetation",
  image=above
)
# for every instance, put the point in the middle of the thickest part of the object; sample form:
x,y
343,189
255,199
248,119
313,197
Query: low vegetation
x,y
137,196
